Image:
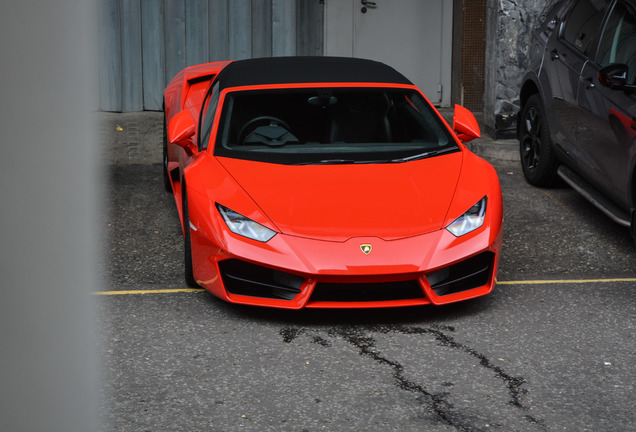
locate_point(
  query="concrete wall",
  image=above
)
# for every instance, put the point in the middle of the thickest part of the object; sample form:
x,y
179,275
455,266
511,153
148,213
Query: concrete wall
x,y
509,25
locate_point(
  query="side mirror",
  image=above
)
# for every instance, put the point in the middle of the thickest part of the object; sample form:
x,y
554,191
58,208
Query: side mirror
x,y
181,129
615,76
465,124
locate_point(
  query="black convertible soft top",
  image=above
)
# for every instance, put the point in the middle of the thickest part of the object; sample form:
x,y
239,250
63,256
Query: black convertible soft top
x,y
288,70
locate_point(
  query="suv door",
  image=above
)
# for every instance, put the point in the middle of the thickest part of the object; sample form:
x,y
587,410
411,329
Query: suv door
x,y
607,120
569,52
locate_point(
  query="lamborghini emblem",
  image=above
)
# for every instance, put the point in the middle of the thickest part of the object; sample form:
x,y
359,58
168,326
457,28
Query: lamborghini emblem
x,y
366,248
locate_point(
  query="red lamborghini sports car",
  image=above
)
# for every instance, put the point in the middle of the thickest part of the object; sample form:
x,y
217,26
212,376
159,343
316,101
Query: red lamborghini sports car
x,y
327,183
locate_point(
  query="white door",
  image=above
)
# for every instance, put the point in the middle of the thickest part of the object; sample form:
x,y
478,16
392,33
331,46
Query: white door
x,y
413,36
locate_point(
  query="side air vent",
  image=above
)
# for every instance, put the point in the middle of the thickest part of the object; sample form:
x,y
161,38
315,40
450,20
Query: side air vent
x,y
242,278
200,79
471,273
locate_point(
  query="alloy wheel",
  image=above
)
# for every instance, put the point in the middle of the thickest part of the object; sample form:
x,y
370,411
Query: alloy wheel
x,y
532,138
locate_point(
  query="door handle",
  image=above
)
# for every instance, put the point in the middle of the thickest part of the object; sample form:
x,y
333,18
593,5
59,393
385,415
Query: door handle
x,y
368,3
554,55
587,82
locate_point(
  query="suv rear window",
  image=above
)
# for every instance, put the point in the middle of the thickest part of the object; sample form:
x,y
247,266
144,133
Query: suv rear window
x,y
618,43
582,24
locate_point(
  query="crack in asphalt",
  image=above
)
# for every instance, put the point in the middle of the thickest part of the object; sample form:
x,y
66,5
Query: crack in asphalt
x,y
513,383
366,345
443,409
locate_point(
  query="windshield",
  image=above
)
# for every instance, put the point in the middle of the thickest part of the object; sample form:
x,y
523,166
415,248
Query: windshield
x,y
330,126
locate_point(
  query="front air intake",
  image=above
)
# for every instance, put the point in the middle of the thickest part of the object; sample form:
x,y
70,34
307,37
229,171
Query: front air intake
x,y
367,292
243,278
463,276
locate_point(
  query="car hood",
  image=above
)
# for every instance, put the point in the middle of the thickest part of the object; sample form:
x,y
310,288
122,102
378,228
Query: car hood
x,y
338,202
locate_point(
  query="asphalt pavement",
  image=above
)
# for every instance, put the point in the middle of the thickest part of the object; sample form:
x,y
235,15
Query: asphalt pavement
x,y
552,348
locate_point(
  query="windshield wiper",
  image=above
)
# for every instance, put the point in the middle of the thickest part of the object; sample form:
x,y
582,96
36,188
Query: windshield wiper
x,y
423,155
427,154
328,162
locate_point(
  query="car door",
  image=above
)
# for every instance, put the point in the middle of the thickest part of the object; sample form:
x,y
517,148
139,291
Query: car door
x,y
197,93
607,116
568,53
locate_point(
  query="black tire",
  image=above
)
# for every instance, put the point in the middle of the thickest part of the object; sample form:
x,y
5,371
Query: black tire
x,y
166,176
189,274
538,161
632,227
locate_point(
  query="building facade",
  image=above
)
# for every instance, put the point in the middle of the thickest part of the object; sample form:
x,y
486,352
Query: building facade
x,y
143,44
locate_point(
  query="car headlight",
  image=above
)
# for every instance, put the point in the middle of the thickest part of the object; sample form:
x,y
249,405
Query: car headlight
x,y
469,221
243,226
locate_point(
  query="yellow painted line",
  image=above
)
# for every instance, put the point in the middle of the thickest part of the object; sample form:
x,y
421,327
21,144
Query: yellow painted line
x,y
520,282
565,281
157,291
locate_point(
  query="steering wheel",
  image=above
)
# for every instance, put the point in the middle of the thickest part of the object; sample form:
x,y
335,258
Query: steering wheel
x,y
257,121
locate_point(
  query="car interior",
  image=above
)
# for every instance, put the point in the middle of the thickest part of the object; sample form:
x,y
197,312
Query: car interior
x,y
329,116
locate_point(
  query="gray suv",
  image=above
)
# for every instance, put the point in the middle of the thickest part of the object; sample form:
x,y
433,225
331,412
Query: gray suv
x,y
578,103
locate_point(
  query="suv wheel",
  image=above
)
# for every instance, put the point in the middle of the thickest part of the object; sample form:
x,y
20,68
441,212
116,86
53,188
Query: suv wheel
x,y
537,157
632,227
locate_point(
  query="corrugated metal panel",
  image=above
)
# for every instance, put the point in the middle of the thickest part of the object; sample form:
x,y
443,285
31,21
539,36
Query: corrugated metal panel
x,y
239,31
145,43
131,66
310,28
261,28
110,59
174,34
283,27
152,48
218,19
196,32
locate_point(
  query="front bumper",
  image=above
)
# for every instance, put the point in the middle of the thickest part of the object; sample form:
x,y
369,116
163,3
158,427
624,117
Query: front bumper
x,y
293,273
